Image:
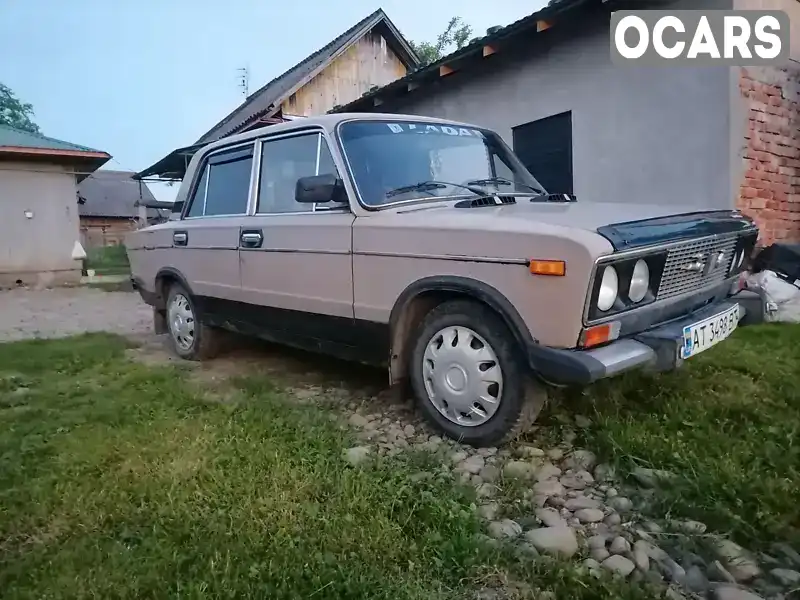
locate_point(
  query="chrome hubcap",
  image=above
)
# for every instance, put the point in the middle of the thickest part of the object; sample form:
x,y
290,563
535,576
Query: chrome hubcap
x,y
462,376
181,321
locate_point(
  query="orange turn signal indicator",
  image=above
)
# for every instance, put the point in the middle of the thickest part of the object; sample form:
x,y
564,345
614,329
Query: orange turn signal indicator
x,y
599,334
557,268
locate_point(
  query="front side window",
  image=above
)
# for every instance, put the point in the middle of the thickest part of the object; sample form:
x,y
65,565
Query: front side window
x,y
283,162
224,185
388,157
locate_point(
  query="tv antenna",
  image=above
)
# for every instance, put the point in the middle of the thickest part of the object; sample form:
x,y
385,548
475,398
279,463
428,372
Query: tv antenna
x,y
244,80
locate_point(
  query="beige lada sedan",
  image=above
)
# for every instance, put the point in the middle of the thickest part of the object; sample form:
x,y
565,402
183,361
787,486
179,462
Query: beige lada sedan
x,y
426,246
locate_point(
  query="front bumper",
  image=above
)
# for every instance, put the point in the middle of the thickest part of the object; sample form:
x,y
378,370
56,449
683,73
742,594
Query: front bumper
x,y
657,348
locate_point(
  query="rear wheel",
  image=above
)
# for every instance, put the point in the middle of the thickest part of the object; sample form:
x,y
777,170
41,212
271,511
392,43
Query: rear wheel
x,y
469,376
190,338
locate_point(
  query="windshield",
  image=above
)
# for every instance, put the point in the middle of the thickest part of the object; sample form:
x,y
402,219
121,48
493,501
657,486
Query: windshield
x,y
396,161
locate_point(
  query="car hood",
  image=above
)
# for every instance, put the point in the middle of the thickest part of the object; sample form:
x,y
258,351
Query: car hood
x,y
625,225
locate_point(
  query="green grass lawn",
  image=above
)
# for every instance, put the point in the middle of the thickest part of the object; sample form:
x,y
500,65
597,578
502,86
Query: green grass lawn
x,y
108,260
728,424
119,480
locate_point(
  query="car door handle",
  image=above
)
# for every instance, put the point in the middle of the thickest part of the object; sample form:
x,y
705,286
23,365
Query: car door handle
x,y
252,238
180,238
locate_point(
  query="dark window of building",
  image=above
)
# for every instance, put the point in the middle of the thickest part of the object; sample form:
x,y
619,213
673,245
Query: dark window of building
x,y
545,148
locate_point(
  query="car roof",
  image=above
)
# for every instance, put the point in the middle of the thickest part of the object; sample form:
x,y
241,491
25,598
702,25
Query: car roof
x,y
327,122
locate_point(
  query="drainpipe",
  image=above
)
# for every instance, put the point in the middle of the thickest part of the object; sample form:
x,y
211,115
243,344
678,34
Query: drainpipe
x,y
142,209
142,215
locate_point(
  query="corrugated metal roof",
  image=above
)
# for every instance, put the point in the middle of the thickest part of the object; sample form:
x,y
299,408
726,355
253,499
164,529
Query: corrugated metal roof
x,y
113,194
173,165
272,93
17,138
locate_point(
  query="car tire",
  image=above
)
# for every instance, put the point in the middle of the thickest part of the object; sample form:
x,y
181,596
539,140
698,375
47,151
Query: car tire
x,y
497,357
190,339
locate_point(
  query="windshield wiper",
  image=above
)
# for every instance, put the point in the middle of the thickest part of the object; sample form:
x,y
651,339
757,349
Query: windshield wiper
x,y
504,181
424,186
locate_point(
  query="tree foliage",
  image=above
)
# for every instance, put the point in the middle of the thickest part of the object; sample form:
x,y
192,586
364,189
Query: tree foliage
x,y
454,37
14,112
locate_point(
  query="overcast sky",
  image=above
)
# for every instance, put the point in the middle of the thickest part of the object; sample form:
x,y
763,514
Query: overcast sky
x,y
140,78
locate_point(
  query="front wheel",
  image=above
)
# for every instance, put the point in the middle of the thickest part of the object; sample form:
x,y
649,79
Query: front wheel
x,y
469,377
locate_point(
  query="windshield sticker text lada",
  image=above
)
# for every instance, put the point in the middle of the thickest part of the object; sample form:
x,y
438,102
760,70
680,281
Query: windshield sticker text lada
x,y
434,129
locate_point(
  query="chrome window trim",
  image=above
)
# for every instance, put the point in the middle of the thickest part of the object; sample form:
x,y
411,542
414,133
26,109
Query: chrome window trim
x,y
305,130
206,167
627,254
316,167
203,160
228,216
344,210
255,175
319,149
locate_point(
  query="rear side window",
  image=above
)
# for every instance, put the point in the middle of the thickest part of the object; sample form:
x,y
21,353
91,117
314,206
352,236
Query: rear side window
x,y
224,185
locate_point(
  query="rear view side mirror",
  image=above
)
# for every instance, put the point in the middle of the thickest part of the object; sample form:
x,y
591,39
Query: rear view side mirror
x,y
317,189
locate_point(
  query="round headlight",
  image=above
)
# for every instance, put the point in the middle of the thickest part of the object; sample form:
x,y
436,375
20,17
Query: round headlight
x,y
608,289
640,281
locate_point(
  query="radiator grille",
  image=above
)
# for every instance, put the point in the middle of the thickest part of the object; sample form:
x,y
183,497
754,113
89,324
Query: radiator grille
x,y
680,275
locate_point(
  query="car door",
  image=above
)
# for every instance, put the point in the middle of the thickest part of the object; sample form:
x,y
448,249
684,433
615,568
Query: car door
x,y
206,240
296,259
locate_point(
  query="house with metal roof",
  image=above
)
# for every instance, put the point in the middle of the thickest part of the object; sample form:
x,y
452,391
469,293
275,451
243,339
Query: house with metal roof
x,y
712,137
370,54
112,203
39,228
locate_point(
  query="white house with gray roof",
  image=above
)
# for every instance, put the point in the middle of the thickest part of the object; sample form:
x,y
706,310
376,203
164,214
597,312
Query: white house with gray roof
x,y
112,203
39,220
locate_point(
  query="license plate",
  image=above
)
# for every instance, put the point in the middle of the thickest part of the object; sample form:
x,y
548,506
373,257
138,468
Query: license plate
x,y
708,332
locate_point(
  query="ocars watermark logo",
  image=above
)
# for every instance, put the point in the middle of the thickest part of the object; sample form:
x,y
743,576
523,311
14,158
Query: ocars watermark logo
x,y
700,37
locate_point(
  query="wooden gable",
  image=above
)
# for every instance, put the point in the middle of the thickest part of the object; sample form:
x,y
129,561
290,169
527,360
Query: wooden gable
x,y
367,63
369,55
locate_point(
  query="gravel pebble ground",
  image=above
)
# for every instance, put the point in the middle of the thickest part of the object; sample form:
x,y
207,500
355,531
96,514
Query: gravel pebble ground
x,y
61,312
566,510
570,505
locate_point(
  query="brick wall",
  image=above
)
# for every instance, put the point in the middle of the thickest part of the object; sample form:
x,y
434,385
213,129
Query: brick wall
x,y
99,231
770,189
